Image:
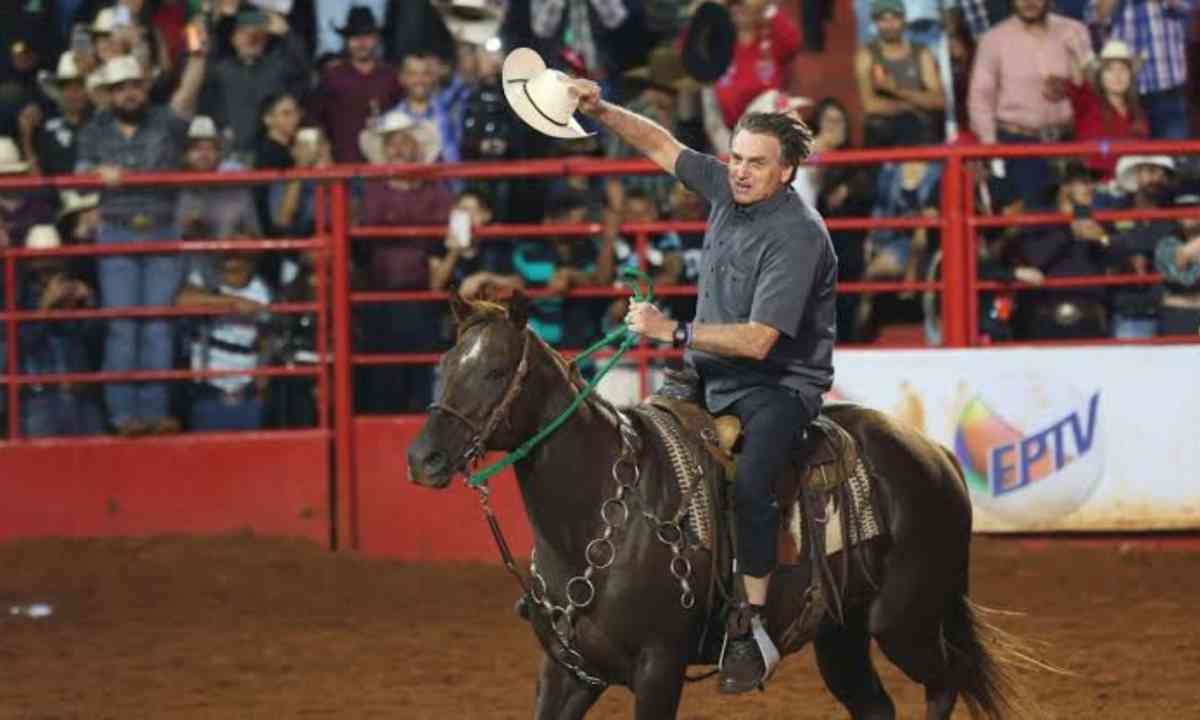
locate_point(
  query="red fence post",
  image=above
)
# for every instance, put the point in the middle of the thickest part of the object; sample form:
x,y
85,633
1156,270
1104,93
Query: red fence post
x,y
954,253
10,329
971,260
344,494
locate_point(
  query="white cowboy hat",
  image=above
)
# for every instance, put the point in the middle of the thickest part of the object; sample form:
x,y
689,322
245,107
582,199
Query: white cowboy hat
x,y
43,237
105,22
122,69
1117,50
372,140
67,69
202,127
96,79
74,201
473,32
10,157
541,96
1128,165
774,101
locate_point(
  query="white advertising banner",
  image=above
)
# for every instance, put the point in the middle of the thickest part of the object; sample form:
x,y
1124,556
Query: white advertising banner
x,y
1052,438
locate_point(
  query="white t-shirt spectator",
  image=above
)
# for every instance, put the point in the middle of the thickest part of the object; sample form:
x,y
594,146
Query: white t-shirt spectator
x,y
231,342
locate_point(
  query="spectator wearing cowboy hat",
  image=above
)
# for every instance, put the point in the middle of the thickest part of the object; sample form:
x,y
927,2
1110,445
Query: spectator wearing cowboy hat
x,y
899,83
424,101
1157,31
398,138
135,136
56,347
1148,182
51,147
213,212
20,209
268,58
335,17
355,87
1106,104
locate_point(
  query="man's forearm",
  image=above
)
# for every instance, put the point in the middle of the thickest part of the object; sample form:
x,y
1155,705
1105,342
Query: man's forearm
x,y
647,136
748,340
183,102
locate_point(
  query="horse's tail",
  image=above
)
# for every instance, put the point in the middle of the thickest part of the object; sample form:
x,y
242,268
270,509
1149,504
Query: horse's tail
x,y
983,658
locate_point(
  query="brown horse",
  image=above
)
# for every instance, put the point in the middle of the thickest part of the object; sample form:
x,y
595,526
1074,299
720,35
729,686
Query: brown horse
x,y
609,569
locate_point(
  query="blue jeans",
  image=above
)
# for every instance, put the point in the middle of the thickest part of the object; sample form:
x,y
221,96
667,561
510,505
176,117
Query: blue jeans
x,y
1030,177
211,412
1128,327
1167,112
136,343
56,412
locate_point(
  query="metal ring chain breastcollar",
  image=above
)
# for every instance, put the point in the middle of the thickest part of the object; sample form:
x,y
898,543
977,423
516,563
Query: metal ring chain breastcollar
x,y
600,553
481,435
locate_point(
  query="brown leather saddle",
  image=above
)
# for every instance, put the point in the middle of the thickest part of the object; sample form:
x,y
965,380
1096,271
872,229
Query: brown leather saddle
x,y
824,456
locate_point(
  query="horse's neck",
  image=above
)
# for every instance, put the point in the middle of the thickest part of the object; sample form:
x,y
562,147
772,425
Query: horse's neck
x,y
569,475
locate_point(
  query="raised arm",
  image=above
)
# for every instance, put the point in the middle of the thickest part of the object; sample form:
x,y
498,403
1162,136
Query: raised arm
x,y
650,138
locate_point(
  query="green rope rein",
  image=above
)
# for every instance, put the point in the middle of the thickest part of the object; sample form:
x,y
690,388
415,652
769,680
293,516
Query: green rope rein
x,y
633,279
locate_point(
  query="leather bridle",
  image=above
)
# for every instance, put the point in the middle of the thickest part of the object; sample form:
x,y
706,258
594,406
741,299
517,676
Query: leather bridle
x,y
482,433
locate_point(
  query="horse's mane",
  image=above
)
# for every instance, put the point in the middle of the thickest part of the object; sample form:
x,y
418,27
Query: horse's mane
x,y
486,311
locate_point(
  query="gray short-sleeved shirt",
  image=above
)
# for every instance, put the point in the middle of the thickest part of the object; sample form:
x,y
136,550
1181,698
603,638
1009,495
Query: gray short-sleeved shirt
x,y
773,263
157,145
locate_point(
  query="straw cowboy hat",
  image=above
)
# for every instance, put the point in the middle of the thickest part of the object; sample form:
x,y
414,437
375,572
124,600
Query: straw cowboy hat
x,y
1128,165
43,237
202,127
541,96
372,141
1117,50
774,101
66,71
74,201
10,157
105,22
472,21
122,69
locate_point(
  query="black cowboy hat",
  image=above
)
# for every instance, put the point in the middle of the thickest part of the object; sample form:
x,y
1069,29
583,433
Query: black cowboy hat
x,y
359,21
709,42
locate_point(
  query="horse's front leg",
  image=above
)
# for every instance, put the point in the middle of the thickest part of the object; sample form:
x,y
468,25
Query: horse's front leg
x,y
561,695
658,683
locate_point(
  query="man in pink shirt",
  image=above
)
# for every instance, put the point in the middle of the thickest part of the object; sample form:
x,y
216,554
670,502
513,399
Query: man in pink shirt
x,y
1018,84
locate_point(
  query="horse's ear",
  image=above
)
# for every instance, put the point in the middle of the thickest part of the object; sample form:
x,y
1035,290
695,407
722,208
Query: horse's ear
x,y
518,309
460,306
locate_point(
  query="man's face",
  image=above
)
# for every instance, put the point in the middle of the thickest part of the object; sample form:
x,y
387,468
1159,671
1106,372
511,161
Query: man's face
x,y
417,78
249,41
890,26
401,147
640,209
1151,180
1079,192
756,168
361,48
1191,226
203,155
74,96
129,96
1031,11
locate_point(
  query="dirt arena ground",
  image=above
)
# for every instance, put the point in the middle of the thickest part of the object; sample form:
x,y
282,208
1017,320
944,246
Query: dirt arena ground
x,y
246,627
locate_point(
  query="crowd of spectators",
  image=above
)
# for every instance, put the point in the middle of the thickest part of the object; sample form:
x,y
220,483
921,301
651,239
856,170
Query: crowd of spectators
x,y
104,87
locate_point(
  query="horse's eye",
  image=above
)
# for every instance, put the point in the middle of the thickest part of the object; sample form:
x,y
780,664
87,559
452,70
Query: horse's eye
x,y
496,373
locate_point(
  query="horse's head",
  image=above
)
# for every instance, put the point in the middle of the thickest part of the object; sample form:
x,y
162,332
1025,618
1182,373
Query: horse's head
x,y
481,378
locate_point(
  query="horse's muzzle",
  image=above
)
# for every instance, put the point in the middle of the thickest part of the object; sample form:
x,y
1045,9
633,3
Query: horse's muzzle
x,y
432,470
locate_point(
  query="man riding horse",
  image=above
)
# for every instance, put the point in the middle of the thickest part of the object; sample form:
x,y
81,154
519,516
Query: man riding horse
x,y
762,339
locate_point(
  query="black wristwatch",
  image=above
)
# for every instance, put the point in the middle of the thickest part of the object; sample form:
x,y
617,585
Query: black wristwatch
x,y
679,338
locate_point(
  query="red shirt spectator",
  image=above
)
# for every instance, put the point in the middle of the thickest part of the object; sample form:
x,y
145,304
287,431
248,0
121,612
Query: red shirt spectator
x,y
1106,105
767,41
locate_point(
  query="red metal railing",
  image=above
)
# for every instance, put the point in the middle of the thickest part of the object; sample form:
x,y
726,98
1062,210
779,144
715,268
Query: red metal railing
x,y
330,247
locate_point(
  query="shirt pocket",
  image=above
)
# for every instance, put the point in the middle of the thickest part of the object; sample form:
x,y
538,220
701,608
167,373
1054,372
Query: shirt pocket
x,y
737,291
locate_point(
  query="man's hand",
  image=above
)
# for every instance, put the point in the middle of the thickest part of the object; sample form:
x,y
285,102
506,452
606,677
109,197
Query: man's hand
x,y
29,120
1088,230
1054,88
1030,275
110,174
645,319
560,282
474,284
277,24
588,94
